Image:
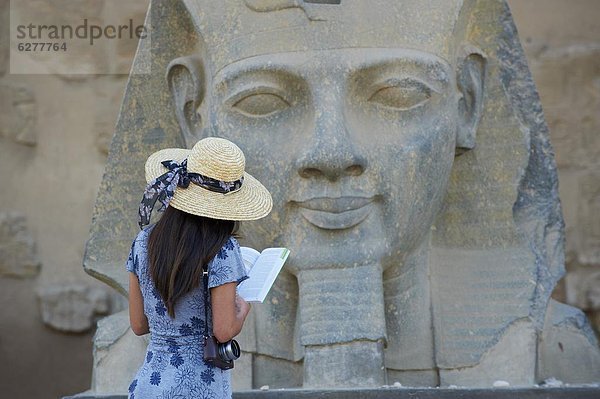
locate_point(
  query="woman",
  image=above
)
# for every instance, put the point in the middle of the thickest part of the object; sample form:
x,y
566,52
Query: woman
x,y
203,192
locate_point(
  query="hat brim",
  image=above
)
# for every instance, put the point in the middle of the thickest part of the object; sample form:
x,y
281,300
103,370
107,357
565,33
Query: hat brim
x,y
252,201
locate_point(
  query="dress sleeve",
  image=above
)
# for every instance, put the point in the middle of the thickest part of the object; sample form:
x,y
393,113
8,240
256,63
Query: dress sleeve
x,y
227,266
132,264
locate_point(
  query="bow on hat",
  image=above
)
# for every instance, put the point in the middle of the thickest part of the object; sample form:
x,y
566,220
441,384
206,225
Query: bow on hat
x,y
163,187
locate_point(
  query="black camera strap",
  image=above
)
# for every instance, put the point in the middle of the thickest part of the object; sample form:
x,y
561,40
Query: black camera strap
x,y
205,282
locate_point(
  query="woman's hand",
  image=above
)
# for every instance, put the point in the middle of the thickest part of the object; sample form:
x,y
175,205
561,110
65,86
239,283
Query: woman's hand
x,y
229,311
242,308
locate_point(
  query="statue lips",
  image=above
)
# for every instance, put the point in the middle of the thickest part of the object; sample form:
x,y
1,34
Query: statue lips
x,y
336,213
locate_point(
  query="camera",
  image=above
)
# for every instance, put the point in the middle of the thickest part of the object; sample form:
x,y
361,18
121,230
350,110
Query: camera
x,y
219,354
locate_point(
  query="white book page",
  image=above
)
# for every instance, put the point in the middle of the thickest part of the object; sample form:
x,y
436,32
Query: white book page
x,y
263,274
249,256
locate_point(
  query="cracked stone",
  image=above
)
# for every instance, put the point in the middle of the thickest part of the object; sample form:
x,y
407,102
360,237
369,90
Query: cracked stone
x,y
72,307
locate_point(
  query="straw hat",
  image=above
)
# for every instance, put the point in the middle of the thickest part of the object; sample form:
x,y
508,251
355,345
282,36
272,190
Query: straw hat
x,y
223,163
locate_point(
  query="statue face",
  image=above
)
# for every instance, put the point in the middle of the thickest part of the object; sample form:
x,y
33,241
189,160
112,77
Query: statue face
x,y
355,145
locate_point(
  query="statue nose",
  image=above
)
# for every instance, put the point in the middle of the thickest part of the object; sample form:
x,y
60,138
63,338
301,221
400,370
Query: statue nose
x,y
331,153
331,165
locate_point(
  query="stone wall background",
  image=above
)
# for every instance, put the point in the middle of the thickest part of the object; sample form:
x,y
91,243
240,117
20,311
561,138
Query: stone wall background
x,y
54,137
562,41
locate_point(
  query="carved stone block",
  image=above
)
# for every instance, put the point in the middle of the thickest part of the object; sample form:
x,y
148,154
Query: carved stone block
x,y
72,307
18,114
569,78
17,249
512,359
566,344
117,354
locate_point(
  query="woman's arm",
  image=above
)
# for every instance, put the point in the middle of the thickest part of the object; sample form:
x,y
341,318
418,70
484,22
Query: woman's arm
x,y
137,318
229,311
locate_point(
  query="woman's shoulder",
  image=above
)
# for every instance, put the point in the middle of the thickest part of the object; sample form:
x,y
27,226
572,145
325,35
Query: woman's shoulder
x,y
230,247
234,242
137,252
227,266
146,230
140,241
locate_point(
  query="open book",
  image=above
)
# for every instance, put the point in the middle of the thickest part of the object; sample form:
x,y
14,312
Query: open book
x,y
262,269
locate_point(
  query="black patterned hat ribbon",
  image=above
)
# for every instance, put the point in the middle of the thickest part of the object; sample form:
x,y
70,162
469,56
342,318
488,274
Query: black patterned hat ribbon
x,y
163,187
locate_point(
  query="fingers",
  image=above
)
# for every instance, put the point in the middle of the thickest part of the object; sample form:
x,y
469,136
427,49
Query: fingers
x,y
242,306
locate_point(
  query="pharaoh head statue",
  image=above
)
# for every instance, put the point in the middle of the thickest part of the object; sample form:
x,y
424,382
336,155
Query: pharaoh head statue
x,y
352,111
411,174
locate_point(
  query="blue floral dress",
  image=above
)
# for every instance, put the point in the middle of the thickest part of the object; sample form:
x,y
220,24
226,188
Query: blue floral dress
x,y
174,365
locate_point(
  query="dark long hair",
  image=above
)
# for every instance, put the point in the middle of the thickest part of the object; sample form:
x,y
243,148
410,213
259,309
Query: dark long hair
x,y
179,245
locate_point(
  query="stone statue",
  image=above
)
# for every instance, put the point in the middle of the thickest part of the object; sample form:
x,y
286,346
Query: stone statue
x,y
412,177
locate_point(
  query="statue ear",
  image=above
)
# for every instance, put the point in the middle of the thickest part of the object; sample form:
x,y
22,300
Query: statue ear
x,y
470,79
185,76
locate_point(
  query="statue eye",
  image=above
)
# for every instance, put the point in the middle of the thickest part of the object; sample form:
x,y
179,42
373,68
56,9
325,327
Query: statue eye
x,y
402,94
261,104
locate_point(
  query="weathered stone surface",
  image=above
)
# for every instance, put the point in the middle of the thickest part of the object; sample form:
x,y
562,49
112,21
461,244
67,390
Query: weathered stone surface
x,y
564,62
511,360
569,198
594,318
569,76
583,288
118,352
571,79
474,312
18,114
335,358
395,238
410,342
4,44
17,247
276,373
413,378
588,243
241,375
568,348
109,103
123,51
114,220
72,306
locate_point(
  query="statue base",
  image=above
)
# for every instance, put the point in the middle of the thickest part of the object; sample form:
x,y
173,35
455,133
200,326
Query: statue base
x,y
583,392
